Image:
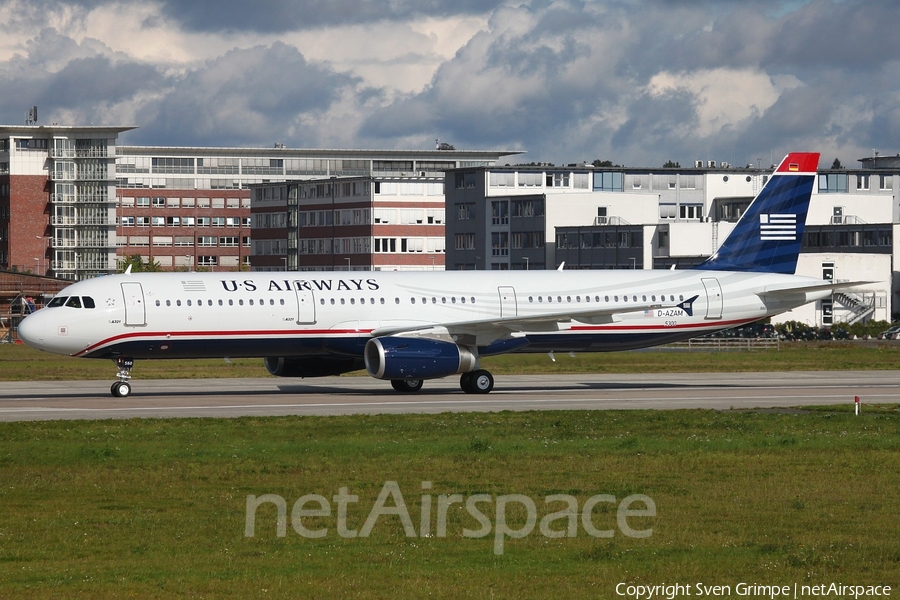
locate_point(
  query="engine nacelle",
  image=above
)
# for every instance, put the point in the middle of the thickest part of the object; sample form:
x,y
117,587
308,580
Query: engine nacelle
x,y
416,358
312,366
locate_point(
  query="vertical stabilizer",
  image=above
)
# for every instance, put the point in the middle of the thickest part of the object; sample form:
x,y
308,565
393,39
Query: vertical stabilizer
x,y
767,237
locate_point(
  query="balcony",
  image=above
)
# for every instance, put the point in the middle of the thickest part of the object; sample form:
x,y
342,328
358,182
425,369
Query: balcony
x,y
68,175
73,153
80,265
62,244
73,198
68,220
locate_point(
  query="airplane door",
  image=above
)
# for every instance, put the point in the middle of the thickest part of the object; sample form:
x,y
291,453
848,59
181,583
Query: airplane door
x,y
306,307
713,297
135,311
508,306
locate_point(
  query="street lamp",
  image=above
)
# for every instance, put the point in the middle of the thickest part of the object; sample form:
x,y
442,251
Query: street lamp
x,y
43,255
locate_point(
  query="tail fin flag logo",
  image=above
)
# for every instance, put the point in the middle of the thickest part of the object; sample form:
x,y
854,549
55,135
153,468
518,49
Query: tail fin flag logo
x,y
778,227
767,237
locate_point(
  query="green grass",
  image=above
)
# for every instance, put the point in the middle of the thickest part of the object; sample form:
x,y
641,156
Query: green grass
x,y
156,508
20,363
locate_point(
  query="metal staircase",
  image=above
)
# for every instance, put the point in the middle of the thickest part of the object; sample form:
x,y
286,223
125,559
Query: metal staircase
x,y
860,305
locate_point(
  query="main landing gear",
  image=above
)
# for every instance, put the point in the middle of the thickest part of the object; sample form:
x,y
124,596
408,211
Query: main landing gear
x,y
476,382
407,386
121,388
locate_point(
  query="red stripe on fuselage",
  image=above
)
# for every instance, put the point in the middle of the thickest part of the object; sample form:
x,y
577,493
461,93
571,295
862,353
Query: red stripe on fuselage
x,y
217,334
716,324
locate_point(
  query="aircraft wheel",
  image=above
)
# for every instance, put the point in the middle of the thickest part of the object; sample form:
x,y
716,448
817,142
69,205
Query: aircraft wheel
x,y
407,386
121,389
479,382
465,382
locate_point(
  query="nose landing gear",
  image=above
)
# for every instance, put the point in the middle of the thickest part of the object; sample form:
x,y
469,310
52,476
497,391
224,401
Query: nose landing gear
x,y
121,388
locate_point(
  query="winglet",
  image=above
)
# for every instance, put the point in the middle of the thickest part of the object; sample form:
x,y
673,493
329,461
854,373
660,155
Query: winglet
x,y
127,270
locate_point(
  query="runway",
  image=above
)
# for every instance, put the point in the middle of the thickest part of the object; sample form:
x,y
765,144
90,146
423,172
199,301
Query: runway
x,y
181,398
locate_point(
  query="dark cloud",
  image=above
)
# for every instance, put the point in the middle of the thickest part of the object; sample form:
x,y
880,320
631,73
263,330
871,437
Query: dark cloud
x,y
277,16
60,75
254,96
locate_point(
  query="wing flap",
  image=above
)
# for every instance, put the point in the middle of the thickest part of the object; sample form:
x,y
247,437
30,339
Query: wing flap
x,y
485,331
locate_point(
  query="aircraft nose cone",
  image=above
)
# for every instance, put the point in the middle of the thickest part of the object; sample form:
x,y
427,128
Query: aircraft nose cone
x,y
30,332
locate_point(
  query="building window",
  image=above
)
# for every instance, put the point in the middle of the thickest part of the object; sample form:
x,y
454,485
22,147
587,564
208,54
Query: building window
x,y
501,179
608,182
500,244
558,180
465,211
500,212
528,208
465,241
833,183
691,212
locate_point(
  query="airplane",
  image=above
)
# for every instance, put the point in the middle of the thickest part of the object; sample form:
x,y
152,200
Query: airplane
x,y
407,327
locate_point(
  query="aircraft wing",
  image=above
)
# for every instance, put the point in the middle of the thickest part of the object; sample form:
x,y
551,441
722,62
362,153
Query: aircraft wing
x,y
485,331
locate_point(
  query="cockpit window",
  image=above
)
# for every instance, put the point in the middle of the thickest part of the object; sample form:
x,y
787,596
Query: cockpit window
x,y
74,302
58,301
88,302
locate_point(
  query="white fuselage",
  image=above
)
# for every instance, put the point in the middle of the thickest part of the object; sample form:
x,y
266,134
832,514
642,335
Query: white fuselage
x,y
191,315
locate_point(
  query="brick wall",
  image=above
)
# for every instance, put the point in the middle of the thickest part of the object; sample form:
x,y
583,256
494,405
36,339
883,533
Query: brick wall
x,y
29,223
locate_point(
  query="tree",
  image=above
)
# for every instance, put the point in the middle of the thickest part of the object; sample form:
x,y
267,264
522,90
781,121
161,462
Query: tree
x,y
604,163
138,265
671,165
837,164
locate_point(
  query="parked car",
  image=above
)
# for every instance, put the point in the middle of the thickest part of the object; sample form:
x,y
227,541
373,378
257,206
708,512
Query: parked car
x,y
890,334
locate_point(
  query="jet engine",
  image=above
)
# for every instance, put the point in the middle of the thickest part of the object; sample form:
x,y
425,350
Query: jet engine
x,y
311,366
416,358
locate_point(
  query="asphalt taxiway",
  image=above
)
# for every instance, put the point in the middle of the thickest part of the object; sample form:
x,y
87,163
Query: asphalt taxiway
x,y
47,400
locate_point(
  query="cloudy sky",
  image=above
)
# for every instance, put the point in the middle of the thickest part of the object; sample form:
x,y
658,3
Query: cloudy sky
x,y
637,82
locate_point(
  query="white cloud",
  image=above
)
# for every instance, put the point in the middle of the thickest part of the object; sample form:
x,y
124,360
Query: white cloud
x,y
726,98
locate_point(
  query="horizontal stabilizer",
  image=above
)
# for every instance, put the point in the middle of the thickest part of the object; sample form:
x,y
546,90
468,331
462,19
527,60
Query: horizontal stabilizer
x,y
785,289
